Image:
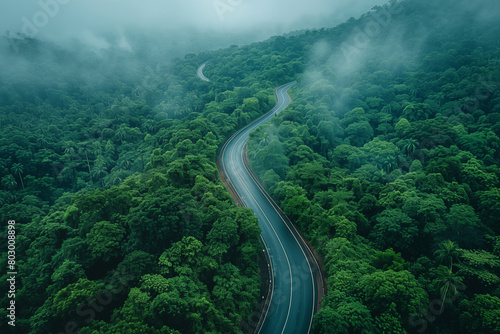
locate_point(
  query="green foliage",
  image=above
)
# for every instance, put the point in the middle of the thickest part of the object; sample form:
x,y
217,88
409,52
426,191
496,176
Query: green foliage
x,y
480,266
481,314
345,318
383,288
69,298
122,178
104,240
395,228
395,157
464,226
389,260
387,162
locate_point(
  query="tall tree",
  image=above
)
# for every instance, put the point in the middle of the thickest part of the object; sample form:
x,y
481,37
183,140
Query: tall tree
x,y
18,169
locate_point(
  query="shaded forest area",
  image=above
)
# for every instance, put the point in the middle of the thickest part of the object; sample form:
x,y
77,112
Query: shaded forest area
x,y
387,161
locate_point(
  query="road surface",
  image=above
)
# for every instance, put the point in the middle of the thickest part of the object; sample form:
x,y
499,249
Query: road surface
x,y
200,74
294,294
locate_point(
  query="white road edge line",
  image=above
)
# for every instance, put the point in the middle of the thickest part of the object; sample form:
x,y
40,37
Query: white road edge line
x,y
273,203
248,129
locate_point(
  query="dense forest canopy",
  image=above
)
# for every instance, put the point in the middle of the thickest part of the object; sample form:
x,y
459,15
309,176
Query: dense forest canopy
x,y
387,161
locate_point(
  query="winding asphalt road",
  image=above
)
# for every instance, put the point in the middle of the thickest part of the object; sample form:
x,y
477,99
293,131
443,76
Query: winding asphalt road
x,y
294,291
200,74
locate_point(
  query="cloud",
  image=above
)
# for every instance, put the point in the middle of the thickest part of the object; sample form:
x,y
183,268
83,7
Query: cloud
x,y
79,19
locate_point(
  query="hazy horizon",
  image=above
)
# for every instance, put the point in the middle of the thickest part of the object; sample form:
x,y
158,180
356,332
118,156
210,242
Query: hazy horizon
x,y
94,23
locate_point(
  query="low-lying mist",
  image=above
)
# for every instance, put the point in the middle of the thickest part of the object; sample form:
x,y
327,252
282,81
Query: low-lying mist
x,y
385,43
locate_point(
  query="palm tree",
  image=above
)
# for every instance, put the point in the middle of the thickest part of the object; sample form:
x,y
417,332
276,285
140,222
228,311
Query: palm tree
x,y
179,112
99,161
109,147
125,163
410,146
114,179
3,120
141,154
73,165
122,133
265,140
97,148
18,169
85,149
387,109
42,141
385,118
149,125
9,182
447,281
390,165
448,250
69,148
440,97
23,121
99,171
409,109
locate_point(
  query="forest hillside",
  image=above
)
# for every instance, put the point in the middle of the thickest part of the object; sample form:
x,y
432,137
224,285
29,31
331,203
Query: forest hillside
x,y
387,161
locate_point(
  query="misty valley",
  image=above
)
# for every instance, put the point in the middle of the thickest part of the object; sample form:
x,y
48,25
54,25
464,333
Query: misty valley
x,y
326,175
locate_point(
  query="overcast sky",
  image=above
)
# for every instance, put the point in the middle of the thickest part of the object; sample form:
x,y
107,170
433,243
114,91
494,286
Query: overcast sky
x,y
82,19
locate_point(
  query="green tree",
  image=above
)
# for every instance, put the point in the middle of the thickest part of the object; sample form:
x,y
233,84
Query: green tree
x,y
383,288
394,229
489,204
402,127
344,228
345,317
274,157
481,314
185,257
105,240
9,182
447,252
18,169
99,170
69,298
359,133
69,272
463,226
449,284
84,149
223,235
480,267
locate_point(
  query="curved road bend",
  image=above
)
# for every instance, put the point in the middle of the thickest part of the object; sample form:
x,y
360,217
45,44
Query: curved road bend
x,y
294,295
200,74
